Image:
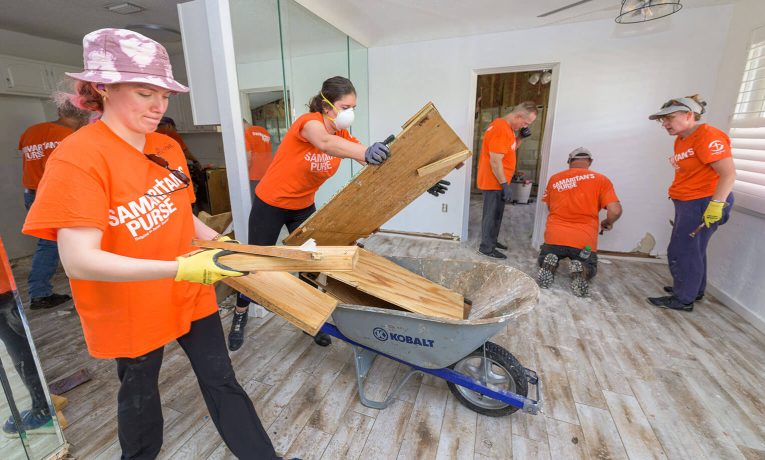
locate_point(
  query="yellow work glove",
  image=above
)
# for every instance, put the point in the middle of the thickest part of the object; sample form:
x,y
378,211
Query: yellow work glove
x,y
714,212
202,267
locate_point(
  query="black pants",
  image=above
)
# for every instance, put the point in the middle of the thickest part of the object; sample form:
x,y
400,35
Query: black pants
x,y
14,337
266,222
493,210
139,410
568,252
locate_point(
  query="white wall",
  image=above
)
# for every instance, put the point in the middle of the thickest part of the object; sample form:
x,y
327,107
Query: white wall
x,y
608,86
737,251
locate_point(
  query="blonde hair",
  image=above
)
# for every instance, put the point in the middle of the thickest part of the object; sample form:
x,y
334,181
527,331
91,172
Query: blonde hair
x,y
702,103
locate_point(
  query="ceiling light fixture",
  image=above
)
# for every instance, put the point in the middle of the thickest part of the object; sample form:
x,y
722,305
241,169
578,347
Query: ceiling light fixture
x,y
636,11
125,8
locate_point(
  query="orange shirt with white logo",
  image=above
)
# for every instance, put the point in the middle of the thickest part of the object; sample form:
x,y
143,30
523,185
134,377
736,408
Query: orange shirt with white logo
x,y
499,138
298,168
36,145
257,140
6,277
98,180
575,197
694,177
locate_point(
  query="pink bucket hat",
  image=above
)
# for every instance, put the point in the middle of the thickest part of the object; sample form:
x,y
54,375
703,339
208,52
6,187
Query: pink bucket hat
x,y
124,56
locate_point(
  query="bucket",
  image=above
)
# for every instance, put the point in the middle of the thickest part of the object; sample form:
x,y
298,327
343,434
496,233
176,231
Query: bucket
x,y
521,192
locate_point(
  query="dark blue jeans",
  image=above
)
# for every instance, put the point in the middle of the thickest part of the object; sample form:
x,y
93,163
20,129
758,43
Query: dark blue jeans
x,y
493,211
44,262
687,256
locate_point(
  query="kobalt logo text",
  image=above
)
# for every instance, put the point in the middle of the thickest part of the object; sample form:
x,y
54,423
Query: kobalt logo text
x,y
382,335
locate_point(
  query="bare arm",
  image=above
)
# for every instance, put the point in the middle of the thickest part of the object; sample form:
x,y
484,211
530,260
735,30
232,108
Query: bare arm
x,y
202,231
613,213
83,259
336,146
727,171
189,156
495,159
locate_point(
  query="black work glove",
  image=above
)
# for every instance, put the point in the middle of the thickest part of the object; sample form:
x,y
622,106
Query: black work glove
x,y
524,133
507,194
440,188
376,154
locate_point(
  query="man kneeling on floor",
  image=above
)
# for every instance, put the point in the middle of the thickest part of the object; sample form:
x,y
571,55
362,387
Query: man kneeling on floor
x,y
575,197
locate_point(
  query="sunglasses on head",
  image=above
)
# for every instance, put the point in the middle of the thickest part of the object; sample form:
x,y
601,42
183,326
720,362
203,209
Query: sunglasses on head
x,y
177,173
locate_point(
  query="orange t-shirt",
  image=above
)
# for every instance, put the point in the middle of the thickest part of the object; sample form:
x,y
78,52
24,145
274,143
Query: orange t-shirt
x,y
36,145
694,178
98,180
6,276
257,140
298,168
499,138
170,132
575,197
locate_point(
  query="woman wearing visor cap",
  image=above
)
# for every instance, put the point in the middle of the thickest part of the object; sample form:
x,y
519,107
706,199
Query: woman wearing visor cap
x,y
701,193
117,197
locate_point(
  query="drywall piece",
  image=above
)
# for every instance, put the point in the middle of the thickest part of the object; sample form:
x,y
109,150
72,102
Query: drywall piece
x,y
301,304
378,193
330,258
378,276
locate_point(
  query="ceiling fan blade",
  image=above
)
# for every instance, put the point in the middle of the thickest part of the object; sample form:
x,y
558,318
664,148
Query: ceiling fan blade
x,y
563,8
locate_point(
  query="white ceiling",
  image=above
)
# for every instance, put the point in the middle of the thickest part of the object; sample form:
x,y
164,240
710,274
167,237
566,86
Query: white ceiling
x,y
386,22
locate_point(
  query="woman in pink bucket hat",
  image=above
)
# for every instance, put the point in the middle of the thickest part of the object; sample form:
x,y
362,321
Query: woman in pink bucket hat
x,y
117,199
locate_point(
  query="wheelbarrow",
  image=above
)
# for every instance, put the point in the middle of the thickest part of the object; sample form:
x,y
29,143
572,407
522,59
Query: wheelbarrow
x,y
482,375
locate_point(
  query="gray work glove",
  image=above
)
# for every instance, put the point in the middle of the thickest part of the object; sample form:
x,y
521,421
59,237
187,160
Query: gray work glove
x,y
440,188
507,194
376,154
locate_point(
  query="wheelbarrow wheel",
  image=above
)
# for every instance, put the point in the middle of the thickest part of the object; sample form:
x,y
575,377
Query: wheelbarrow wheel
x,y
496,368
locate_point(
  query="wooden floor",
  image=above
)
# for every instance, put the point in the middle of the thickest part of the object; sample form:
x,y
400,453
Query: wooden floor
x,y
621,379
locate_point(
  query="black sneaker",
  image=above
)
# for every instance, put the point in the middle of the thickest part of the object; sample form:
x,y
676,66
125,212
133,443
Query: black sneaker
x,y
579,283
236,336
494,254
39,303
500,246
546,274
669,290
671,302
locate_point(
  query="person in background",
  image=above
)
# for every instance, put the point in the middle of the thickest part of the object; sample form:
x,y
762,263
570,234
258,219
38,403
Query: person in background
x,y
309,154
574,198
167,127
701,193
117,198
36,419
36,145
496,165
257,142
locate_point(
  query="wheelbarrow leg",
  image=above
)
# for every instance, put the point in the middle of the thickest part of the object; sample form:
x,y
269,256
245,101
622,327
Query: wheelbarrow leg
x,y
364,359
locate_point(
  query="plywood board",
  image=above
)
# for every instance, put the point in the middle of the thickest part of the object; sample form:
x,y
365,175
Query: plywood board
x,y
383,279
332,258
378,193
276,251
299,303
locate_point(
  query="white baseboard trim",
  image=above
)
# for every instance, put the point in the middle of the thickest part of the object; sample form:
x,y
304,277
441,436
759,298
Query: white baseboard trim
x,y
733,304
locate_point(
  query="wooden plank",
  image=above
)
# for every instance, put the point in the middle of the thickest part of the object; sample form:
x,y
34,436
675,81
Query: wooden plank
x,y
636,433
492,438
388,432
381,278
457,437
526,448
349,294
305,307
600,433
350,437
565,440
332,258
359,209
286,252
449,162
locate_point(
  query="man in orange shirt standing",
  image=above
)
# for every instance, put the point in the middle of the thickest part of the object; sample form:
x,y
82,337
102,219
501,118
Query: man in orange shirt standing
x,y
575,197
496,166
257,142
36,145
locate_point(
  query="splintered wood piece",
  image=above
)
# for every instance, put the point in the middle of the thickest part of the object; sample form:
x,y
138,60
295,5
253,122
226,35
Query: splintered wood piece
x,y
333,258
384,279
448,162
304,306
275,251
348,294
218,222
378,193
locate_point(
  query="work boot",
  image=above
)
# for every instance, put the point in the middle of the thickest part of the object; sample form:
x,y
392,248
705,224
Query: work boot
x,y
579,283
33,422
494,254
671,302
546,274
236,336
670,290
39,303
500,246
